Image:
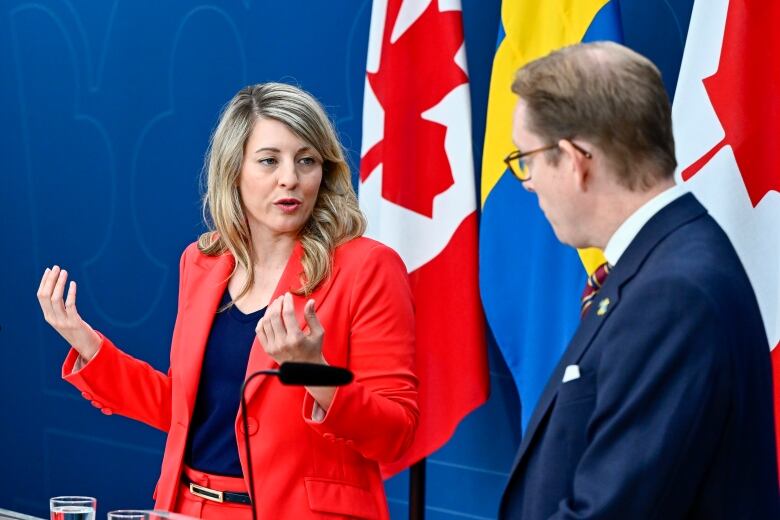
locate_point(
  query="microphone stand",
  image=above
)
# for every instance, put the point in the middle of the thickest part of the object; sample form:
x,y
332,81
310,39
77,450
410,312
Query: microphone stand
x,y
245,421
294,374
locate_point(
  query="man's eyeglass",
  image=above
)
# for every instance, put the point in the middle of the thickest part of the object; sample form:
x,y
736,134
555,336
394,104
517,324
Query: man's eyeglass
x,y
517,164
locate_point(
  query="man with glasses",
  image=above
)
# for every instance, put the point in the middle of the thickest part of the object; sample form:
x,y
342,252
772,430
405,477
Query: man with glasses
x,y
661,406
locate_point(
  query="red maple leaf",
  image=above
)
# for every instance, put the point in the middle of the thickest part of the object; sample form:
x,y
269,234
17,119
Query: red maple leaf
x,y
416,72
744,93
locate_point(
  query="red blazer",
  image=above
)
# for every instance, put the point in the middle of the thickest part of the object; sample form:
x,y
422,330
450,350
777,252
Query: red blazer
x,y
302,468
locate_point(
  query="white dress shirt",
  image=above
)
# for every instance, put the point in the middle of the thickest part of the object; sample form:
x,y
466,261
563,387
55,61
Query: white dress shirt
x,y
629,229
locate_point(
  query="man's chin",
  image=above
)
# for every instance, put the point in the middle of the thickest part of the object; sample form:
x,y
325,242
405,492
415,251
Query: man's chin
x,y
561,238
569,240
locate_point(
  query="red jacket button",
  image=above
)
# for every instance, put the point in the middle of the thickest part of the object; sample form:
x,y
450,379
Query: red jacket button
x,y
86,395
97,404
107,411
252,424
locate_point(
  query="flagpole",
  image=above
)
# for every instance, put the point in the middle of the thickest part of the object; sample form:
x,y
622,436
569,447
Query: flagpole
x,y
417,491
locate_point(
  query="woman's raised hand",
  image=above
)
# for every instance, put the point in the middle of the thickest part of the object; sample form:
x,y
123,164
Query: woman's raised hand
x,y
61,313
281,335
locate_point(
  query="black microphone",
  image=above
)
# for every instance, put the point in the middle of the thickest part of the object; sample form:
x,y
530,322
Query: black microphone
x,y
313,374
293,374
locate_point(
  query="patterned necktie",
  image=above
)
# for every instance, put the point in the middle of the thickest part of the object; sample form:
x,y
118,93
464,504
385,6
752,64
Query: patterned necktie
x,y
595,281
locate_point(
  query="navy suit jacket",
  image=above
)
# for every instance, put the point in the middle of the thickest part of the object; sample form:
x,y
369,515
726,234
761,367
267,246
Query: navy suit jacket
x,y
672,414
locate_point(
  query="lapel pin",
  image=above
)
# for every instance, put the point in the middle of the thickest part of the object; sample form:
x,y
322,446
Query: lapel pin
x,y
603,307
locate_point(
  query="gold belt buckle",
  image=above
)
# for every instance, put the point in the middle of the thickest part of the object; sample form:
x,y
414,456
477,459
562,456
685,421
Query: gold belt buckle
x,y
208,494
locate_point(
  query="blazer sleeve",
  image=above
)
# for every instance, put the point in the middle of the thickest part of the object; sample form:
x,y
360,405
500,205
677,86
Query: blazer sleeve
x,y
662,405
377,413
118,383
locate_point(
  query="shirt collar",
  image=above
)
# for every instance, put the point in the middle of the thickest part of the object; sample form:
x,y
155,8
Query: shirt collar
x,y
631,227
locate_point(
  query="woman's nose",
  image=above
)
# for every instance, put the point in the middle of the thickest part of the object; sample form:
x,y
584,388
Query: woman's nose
x,y
287,174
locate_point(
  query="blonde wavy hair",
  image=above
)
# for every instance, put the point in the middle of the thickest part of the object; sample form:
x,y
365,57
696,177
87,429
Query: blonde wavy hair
x,y
336,217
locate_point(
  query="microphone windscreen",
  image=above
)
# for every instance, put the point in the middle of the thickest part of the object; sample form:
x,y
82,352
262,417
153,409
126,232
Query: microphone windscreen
x,y
313,374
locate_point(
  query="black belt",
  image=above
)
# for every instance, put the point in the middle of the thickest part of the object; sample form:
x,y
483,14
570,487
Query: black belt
x,y
214,495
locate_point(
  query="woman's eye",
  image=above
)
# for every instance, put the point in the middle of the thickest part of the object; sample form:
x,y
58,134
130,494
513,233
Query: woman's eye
x,y
307,161
268,161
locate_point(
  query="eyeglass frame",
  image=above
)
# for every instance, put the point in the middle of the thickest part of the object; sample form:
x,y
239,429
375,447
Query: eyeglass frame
x,y
517,155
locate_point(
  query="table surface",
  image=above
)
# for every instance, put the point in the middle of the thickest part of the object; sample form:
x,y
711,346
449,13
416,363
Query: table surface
x,y
7,515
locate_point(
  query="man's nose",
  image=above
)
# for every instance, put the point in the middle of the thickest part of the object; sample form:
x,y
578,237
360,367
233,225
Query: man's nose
x,y
528,185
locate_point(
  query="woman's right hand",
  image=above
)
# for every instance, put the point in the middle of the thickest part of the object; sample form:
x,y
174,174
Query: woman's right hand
x,y
62,314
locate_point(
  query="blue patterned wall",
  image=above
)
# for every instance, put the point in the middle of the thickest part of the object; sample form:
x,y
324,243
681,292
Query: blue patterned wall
x,y
105,112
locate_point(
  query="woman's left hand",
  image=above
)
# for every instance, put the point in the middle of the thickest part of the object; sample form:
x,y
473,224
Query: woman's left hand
x,y
281,335
283,340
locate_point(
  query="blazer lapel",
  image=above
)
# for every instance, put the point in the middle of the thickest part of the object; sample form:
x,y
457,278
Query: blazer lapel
x,y
290,281
204,286
585,333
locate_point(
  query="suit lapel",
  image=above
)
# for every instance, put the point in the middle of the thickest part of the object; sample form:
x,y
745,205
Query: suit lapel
x,y
583,336
205,284
670,218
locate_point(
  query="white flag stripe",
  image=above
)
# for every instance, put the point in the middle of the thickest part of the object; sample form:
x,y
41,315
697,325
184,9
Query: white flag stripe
x,y
696,125
375,33
373,120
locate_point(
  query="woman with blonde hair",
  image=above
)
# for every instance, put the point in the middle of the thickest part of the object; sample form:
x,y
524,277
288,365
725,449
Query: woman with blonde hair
x,y
283,275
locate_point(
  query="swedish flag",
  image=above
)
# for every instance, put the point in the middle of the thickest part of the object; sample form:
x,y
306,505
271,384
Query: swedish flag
x,y
530,283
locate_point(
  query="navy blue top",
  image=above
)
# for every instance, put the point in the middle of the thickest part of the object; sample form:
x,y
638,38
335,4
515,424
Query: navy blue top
x,y
211,445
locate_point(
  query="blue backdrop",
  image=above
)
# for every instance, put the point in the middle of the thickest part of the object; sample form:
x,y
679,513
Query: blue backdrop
x,y
105,112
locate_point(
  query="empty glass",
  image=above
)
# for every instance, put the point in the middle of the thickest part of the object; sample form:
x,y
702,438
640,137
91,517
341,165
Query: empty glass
x,y
72,508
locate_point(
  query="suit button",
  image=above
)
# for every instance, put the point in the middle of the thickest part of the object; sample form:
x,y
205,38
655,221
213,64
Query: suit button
x,y
86,395
328,436
107,411
251,423
97,404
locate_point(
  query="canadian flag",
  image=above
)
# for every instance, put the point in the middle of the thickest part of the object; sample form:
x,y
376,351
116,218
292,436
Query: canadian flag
x,y
417,190
727,130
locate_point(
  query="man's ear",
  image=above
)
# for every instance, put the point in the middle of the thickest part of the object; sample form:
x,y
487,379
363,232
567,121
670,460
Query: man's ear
x,y
579,164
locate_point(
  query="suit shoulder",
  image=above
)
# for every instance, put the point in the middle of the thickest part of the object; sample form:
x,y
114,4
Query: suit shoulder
x,y
191,249
193,255
702,255
190,253
363,252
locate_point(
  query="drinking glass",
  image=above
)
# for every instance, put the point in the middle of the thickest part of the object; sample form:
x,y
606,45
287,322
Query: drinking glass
x,y
72,508
130,514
